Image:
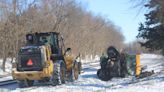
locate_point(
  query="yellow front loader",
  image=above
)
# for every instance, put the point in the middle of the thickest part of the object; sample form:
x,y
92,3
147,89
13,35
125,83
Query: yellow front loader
x,y
45,59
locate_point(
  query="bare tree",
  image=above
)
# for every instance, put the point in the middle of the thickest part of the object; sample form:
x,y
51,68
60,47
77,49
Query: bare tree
x,y
83,32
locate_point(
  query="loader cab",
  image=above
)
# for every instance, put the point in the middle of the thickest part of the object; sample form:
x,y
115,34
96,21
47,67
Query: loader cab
x,y
51,38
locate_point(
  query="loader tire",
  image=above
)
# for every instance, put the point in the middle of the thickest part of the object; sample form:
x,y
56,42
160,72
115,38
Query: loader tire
x,y
103,75
30,83
79,67
21,83
25,83
118,68
59,73
74,73
44,80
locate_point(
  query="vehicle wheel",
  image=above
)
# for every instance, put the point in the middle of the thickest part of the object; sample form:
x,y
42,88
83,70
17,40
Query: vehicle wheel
x,y
62,73
25,83
76,70
103,75
30,83
44,80
98,73
74,73
124,72
22,83
59,73
79,67
119,68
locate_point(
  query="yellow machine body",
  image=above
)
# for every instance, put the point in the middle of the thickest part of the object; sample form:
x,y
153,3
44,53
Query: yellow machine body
x,y
36,75
49,60
69,62
138,65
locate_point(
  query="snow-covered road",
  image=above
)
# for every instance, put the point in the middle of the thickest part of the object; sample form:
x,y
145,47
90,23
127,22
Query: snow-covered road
x,y
88,81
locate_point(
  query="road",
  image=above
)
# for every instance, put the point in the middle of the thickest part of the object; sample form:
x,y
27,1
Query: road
x,y
88,81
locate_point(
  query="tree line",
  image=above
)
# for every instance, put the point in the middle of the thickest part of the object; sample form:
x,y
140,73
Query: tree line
x,y
83,31
151,32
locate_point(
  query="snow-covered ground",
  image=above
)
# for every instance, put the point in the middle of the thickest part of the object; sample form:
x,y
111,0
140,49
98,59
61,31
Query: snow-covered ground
x,y
88,81
7,67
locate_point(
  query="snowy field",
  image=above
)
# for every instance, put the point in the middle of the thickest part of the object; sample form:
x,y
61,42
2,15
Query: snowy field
x,y
88,81
8,68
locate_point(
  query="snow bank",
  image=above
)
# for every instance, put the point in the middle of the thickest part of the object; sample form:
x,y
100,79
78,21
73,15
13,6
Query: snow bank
x,y
88,81
152,62
8,67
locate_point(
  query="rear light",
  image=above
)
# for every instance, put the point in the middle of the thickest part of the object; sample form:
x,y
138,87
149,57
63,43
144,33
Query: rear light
x,y
29,62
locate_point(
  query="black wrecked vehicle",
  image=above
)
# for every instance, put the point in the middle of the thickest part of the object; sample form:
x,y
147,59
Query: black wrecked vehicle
x,y
112,65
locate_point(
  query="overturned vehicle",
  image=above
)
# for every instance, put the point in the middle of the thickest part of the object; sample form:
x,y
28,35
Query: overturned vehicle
x,y
112,65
